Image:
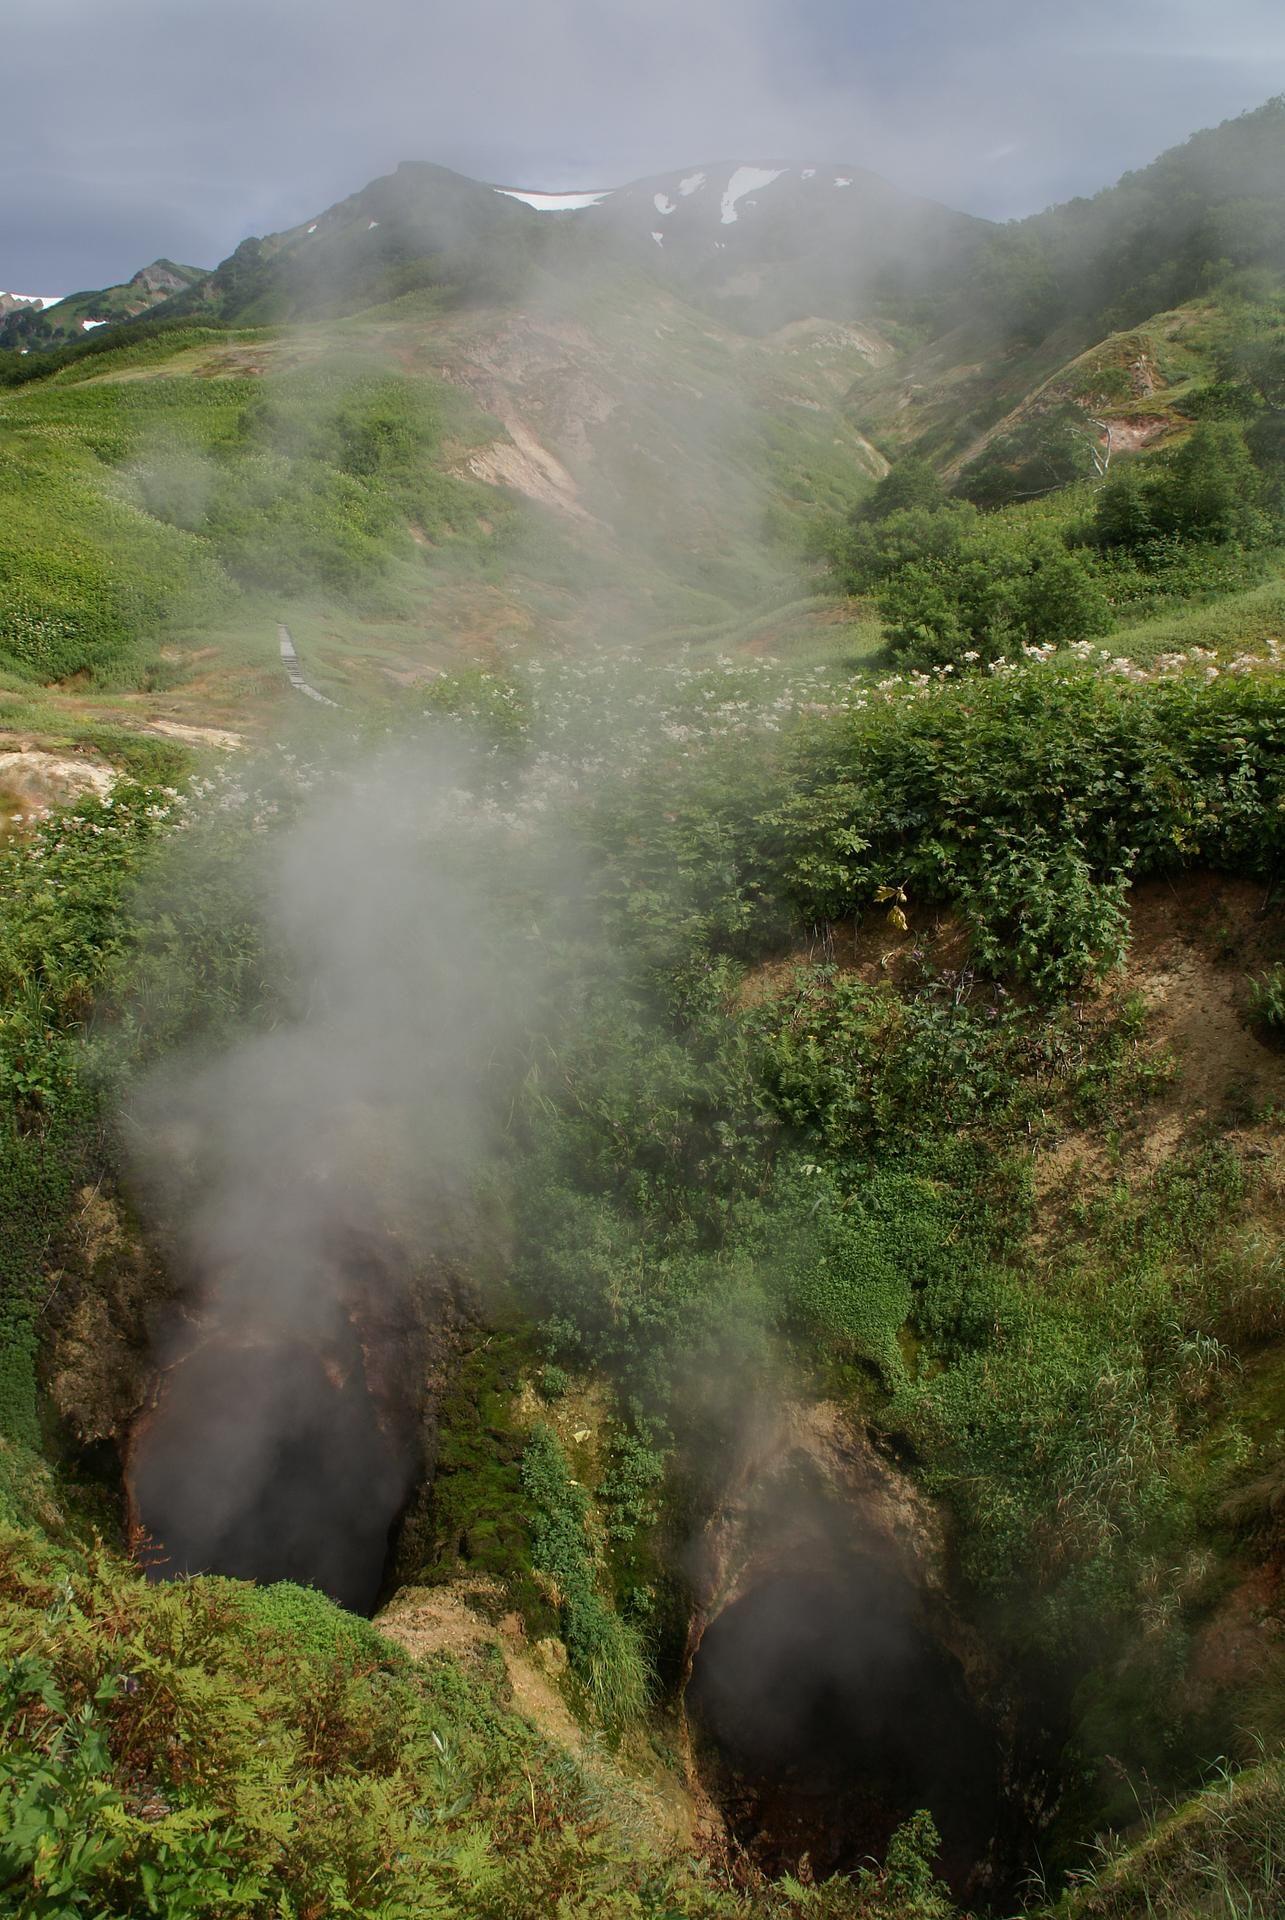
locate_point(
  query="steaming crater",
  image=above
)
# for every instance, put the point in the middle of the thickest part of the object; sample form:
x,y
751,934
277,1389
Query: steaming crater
x,y
311,1176
826,1715
266,1455
833,1689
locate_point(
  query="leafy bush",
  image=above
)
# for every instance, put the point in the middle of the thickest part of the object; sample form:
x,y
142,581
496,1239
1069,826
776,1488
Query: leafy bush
x,y
912,483
62,935
848,1259
1091,777
70,1844
1035,906
869,552
1209,490
167,1750
992,594
552,1382
1050,449
320,1630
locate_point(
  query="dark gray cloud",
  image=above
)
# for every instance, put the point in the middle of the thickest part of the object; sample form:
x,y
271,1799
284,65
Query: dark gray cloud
x,y
178,126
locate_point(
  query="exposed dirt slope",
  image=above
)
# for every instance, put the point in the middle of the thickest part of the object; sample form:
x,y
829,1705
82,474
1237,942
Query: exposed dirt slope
x,y
465,1622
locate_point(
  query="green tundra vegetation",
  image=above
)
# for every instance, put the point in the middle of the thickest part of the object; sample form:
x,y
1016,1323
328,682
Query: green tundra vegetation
x,y
138,507
841,1073
836,1167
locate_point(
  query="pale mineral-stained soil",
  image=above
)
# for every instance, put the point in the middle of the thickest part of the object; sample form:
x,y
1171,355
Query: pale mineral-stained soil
x,y
192,736
648,1800
432,1620
521,462
32,780
1129,435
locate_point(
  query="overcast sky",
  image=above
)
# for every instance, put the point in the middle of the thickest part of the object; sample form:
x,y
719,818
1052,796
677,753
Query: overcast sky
x,y
136,128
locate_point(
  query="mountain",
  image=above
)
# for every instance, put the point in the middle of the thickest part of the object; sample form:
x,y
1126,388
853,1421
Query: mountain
x,y
759,244
18,302
661,395
28,325
419,228
760,241
763,244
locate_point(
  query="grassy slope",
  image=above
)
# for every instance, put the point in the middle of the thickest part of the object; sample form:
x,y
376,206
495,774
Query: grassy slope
x,y
689,510
689,462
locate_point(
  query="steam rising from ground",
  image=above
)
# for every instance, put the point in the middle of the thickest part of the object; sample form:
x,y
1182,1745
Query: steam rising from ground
x,y
306,1170
837,1717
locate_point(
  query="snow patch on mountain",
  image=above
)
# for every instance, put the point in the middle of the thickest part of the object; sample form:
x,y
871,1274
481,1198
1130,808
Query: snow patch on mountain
x,y
690,184
553,202
662,203
42,300
744,181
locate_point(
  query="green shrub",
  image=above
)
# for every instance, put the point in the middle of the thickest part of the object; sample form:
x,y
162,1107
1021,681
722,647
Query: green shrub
x,y
994,593
316,1627
911,484
68,1841
870,552
165,1750
848,1261
1267,999
63,931
552,1382
1208,491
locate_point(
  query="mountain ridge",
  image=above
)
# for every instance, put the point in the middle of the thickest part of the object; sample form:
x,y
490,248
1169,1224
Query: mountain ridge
x,y
763,243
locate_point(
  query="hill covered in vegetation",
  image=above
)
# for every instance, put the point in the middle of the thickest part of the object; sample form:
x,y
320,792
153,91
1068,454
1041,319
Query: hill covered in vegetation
x,y
703,1145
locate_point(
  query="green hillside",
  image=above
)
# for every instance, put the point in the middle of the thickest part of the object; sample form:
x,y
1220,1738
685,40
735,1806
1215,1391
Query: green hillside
x,y
640,1260
37,330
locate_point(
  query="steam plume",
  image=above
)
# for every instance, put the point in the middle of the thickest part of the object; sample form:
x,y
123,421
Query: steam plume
x,y
307,1170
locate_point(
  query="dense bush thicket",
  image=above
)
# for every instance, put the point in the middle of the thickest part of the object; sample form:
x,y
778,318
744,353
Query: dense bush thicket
x,y
958,588
1025,800
1209,490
